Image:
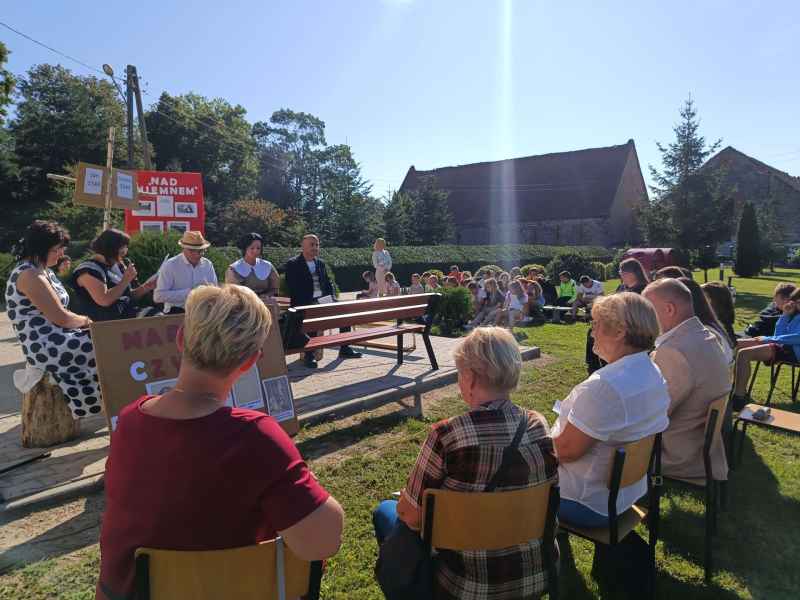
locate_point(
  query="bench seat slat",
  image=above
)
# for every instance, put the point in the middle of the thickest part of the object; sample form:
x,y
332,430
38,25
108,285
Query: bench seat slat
x,y
359,318
352,337
313,311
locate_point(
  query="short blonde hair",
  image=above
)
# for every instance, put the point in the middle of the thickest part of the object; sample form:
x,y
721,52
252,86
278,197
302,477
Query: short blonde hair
x,y
379,242
493,355
223,327
631,313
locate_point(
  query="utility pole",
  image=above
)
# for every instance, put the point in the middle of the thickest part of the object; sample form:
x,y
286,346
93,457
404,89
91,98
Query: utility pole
x,y
140,111
110,179
129,107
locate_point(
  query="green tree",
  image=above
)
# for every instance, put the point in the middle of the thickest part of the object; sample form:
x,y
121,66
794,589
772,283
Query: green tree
x,y
192,133
60,119
398,219
748,244
6,83
689,208
278,227
431,217
9,173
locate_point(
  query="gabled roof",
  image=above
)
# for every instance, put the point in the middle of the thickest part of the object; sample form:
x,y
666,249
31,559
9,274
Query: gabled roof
x,y
730,153
561,185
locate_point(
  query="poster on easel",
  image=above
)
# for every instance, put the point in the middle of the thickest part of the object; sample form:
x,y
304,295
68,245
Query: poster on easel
x,y
136,357
91,182
168,201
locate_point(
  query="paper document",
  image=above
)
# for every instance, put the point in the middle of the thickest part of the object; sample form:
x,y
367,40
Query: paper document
x,y
125,185
278,393
93,182
325,299
247,390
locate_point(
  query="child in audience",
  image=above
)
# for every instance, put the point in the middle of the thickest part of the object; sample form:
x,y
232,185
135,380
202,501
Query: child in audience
x,y
533,307
511,313
392,287
372,286
456,274
549,291
588,291
416,286
450,282
487,313
503,282
567,290
473,290
433,284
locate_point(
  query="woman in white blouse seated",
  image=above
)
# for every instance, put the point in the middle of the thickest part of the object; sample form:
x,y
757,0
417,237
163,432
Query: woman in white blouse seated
x,y
624,401
253,271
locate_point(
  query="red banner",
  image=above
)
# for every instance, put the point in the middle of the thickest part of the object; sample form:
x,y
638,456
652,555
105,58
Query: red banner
x,y
167,202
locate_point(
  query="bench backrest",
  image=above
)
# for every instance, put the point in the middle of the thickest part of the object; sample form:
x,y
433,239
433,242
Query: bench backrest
x,y
319,317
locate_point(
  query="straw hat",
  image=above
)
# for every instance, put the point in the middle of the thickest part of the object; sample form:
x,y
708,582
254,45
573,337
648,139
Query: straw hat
x,y
194,240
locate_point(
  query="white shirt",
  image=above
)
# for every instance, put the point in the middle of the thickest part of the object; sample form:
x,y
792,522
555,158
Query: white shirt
x,y
312,268
592,292
177,277
620,403
516,303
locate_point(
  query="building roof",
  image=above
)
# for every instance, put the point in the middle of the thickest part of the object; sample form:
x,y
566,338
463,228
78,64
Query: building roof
x,y
561,185
730,153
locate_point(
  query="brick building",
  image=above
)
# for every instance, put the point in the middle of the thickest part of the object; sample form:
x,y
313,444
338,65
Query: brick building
x,y
583,197
756,182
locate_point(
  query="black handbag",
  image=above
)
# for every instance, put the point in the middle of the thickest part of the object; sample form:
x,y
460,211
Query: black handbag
x,y
406,567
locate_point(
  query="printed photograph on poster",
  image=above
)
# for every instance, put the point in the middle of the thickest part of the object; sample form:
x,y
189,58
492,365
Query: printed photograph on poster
x,y
124,185
182,226
164,206
151,226
147,208
155,388
187,210
93,182
247,390
278,393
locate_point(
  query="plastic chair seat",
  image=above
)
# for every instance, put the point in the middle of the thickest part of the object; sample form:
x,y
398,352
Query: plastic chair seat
x,y
627,522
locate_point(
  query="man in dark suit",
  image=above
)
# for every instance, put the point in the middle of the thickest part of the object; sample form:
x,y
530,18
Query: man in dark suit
x,y
308,281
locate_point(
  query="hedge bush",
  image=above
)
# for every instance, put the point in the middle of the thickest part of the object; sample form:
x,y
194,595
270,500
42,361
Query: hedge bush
x,y
481,272
526,269
453,310
600,269
576,264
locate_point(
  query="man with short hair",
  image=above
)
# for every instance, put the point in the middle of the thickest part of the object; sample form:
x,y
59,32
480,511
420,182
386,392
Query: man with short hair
x,y
307,278
768,317
697,374
588,291
182,273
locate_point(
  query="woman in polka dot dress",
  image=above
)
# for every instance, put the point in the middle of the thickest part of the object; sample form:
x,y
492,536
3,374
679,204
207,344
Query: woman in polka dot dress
x,y
53,338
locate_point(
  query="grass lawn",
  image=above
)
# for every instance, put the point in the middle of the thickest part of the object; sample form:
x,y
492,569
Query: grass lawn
x,y
756,549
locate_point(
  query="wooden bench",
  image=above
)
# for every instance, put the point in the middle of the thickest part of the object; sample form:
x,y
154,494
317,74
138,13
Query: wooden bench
x,y
780,420
321,317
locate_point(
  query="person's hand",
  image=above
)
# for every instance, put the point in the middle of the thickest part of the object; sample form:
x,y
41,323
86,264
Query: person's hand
x,y
129,274
87,322
150,285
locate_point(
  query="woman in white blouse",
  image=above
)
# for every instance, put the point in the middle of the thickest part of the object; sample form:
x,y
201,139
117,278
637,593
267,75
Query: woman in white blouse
x,y
253,271
622,402
382,261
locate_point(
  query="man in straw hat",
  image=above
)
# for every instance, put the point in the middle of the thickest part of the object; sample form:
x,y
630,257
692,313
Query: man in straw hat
x,y
182,273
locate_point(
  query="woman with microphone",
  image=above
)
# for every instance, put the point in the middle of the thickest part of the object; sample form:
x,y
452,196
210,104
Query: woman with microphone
x,y
104,284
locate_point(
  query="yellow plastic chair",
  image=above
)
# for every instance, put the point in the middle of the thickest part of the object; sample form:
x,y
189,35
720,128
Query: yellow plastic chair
x,y
464,521
266,571
631,462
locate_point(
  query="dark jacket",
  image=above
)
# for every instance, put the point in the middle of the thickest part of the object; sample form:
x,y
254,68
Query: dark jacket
x,y
300,283
123,308
767,319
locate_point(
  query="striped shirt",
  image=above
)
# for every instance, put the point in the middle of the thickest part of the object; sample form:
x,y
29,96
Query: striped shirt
x,y
462,454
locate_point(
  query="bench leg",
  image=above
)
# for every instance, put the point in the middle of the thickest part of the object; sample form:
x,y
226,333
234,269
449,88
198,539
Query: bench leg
x,y
400,349
426,338
418,412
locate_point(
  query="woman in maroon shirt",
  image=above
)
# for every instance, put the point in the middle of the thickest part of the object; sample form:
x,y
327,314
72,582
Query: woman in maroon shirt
x,y
186,472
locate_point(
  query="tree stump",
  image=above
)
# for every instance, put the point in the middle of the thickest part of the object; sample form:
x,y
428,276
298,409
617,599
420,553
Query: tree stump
x,y
46,418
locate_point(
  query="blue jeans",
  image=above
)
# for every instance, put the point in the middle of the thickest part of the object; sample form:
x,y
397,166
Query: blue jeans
x,y
384,519
580,515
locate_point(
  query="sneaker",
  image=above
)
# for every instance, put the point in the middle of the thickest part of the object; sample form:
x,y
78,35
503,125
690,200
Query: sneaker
x,y
309,362
348,352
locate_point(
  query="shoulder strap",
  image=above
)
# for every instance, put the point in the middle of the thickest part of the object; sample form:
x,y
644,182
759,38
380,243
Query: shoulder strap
x,y
508,451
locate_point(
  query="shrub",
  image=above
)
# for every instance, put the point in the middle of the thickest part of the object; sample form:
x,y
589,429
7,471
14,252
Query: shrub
x,y
612,270
453,310
576,264
482,271
278,227
531,267
795,260
600,269
148,250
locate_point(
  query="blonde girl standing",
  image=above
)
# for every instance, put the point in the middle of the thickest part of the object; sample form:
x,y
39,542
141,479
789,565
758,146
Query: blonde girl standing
x,y
382,262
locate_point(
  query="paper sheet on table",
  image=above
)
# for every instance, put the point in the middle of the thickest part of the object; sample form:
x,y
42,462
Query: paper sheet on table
x,y
325,299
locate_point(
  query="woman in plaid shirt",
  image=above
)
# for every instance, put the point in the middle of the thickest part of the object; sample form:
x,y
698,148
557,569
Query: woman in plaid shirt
x,y
463,453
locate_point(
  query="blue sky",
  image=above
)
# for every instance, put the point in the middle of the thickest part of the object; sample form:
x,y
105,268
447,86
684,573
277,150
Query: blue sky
x,y
451,82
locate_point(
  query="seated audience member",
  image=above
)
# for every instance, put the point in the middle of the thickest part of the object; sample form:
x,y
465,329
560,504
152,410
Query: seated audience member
x,y
549,291
450,282
52,337
463,453
372,286
704,312
103,283
473,290
768,317
490,306
622,402
252,271
465,281
532,310
515,272
697,373
503,282
587,292
567,290
169,484
783,345
182,273
392,287
673,272
432,283
721,300
416,287
466,275
456,274
512,311
63,267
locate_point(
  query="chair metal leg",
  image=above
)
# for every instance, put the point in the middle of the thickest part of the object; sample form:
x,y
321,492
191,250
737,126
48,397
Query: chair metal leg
x,y
795,383
742,434
709,529
753,379
774,373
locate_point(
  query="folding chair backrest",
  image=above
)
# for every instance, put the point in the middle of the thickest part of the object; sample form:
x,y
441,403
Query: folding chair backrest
x,y
247,573
720,406
485,521
637,461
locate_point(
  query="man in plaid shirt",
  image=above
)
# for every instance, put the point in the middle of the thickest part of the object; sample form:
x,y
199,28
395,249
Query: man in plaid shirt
x,y
463,453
